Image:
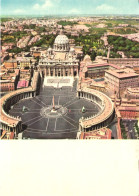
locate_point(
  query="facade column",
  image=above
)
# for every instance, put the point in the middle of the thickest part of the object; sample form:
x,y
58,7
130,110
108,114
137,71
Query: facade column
x,y
45,72
64,71
69,71
61,72
49,71
77,71
72,73
54,72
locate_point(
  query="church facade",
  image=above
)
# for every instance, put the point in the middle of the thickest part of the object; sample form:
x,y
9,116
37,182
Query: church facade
x,y
59,61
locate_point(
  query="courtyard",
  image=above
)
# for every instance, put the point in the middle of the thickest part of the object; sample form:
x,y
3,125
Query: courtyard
x,y
38,123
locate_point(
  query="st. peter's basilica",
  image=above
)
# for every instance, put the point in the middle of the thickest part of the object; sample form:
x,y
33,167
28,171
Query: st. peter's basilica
x,y
61,60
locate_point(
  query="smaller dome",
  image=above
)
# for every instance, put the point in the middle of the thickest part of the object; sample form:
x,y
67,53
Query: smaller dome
x,y
99,57
87,58
49,49
72,50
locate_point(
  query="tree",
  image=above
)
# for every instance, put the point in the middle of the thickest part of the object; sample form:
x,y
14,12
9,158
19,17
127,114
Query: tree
x,y
93,55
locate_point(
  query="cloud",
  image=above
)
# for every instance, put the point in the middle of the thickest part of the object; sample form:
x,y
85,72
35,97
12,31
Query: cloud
x,y
36,6
19,11
105,8
74,11
46,4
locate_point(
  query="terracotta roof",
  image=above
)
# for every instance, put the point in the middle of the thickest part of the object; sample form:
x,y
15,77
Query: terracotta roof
x,y
102,65
103,133
22,84
127,108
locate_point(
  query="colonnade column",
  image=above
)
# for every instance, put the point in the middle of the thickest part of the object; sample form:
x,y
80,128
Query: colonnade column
x,y
69,71
61,72
41,73
55,72
77,72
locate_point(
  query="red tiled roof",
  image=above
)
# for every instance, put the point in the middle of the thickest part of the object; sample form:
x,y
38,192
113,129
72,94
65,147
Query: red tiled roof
x,y
96,134
102,65
22,84
12,135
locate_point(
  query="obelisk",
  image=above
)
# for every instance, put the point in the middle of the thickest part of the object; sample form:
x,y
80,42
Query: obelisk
x,y
53,104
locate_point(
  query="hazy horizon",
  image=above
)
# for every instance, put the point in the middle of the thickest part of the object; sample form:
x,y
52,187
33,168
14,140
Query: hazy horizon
x,y
68,15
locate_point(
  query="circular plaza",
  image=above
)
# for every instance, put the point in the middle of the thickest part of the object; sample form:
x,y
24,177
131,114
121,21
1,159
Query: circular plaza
x,y
40,122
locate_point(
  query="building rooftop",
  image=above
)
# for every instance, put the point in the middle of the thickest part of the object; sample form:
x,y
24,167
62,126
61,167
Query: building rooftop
x,y
123,73
103,133
22,84
103,65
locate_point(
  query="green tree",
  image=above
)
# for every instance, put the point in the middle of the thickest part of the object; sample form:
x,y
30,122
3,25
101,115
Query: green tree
x,y
93,55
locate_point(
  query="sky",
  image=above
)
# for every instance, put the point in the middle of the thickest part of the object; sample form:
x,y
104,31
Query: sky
x,y
68,7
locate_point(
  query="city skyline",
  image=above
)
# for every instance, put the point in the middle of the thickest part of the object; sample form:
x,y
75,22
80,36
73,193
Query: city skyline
x,y
68,7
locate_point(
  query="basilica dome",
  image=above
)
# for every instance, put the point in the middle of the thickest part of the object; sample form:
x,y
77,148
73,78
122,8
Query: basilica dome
x,y
61,39
61,43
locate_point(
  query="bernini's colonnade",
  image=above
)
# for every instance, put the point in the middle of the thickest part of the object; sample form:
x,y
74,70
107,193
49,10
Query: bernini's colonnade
x,y
10,123
105,115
